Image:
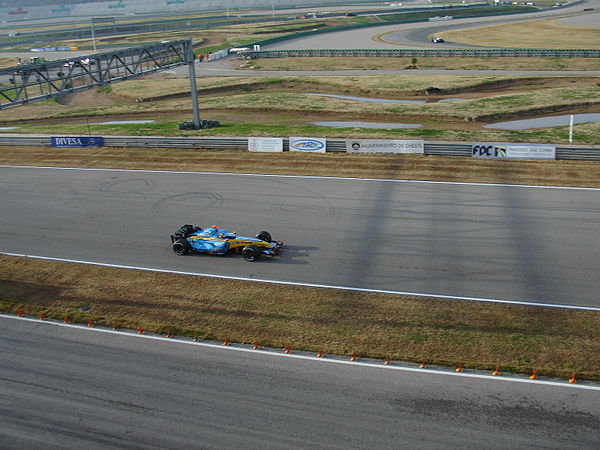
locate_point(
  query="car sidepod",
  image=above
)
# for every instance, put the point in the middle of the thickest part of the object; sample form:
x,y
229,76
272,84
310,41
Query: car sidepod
x,y
213,246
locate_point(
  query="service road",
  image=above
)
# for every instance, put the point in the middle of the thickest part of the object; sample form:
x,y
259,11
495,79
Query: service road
x,y
79,388
484,241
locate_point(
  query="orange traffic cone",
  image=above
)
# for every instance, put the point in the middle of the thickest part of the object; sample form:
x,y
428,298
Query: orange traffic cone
x,y
459,368
533,375
226,341
353,357
287,349
496,371
573,379
320,354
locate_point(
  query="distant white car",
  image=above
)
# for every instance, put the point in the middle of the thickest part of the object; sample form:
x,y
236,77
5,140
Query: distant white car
x,y
437,40
239,49
84,62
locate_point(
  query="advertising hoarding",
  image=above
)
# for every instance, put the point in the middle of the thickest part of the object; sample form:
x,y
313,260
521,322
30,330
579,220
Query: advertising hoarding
x,y
385,146
308,144
74,141
513,151
258,144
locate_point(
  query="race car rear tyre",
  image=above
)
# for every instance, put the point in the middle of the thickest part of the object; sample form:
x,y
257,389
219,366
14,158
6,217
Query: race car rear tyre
x,y
181,247
251,253
264,236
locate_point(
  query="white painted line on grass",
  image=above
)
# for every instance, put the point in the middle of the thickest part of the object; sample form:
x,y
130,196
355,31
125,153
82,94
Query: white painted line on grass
x,y
312,285
307,177
214,346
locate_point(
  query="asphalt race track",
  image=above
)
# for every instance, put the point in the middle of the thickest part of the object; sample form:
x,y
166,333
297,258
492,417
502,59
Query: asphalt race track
x,y
417,34
79,388
483,241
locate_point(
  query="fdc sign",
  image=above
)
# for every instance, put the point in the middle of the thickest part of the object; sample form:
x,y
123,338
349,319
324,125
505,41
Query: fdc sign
x,y
488,151
513,151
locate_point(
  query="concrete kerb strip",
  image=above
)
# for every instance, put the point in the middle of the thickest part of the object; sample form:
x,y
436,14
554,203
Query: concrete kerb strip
x,y
335,360
304,177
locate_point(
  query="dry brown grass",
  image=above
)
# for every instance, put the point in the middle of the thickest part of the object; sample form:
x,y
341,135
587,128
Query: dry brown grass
x,y
8,62
545,33
518,338
424,63
413,167
486,99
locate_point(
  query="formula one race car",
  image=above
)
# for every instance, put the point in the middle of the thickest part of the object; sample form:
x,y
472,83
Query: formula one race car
x,y
218,242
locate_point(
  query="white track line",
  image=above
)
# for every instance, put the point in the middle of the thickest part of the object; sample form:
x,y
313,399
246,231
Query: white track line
x,y
213,346
306,177
313,285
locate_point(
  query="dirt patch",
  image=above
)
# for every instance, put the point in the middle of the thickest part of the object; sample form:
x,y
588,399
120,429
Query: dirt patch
x,y
431,94
514,85
91,97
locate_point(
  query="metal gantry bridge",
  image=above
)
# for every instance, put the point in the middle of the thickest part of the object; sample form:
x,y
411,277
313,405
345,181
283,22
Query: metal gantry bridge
x,y
38,81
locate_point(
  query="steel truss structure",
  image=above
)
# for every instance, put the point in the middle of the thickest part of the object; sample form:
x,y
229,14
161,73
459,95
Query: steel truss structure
x,y
33,82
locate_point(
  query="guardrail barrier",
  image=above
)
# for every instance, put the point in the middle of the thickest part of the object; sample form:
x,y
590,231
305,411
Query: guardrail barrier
x,y
430,52
563,152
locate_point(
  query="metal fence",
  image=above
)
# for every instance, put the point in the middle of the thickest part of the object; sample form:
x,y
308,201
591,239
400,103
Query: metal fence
x,y
563,152
41,80
439,53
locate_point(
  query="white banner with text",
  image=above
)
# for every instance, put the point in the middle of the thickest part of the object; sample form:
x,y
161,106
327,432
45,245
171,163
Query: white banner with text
x,y
513,151
259,144
385,146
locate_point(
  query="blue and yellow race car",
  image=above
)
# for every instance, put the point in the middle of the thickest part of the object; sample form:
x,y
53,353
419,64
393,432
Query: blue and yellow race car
x,y
217,241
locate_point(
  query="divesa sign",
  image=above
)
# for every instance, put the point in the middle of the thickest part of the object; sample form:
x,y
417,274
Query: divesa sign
x,y
73,141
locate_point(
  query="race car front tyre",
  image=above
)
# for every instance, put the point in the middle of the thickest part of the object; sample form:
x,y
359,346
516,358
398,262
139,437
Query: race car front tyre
x,y
264,236
251,253
181,247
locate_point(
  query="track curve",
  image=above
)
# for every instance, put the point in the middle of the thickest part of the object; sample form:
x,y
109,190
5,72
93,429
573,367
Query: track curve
x,y
417,34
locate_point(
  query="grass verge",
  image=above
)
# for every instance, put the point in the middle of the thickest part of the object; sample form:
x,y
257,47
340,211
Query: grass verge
x,y
412,167
480,336
544,33
284,107
423,63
